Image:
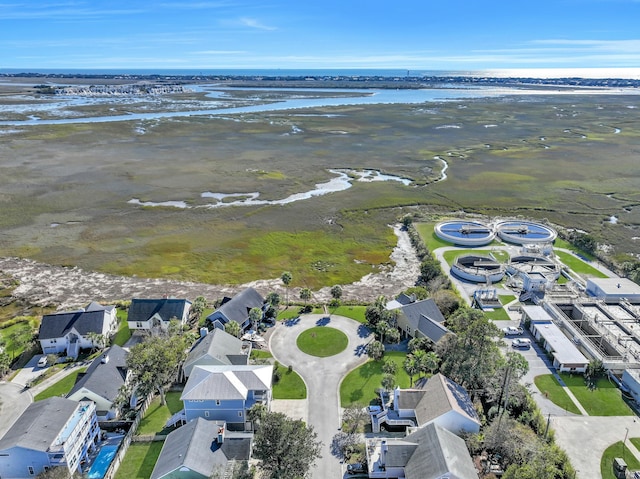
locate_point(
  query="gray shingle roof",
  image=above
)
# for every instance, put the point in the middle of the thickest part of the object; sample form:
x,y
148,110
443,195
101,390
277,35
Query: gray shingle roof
x,y
423,316
164,308
39,424
237,308
442,395
226,382
218,345
195,446
105,379
59,324
439,452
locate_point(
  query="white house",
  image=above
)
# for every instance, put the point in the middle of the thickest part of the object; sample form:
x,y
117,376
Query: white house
x,y
431,452
147,313
102,382
440,401
55,432
69,332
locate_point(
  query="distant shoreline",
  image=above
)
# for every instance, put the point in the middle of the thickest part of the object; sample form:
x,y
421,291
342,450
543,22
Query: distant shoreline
x,y
315,81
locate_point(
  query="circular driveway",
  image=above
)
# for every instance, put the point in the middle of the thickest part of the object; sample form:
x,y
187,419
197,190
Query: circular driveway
x,y
322,376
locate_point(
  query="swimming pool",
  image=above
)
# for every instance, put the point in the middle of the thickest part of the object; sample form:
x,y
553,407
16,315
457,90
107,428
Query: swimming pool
x,y
105,455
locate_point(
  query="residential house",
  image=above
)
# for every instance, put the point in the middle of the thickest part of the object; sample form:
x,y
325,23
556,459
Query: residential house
x,y
147,313
237,309
69,332
217,348
226,393
418,319
102,381
55,432
199,449
431,452
440,401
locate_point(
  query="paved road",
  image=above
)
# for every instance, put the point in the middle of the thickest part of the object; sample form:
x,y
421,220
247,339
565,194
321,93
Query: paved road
x,y
14,399
322,377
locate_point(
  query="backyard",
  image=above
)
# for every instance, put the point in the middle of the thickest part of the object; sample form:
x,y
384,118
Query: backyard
x,y
140,460
157,415
361,384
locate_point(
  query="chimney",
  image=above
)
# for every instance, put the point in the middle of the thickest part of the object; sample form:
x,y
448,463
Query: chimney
x,y
105,358
220,434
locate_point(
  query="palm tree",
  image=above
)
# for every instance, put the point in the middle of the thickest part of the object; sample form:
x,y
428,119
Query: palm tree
x,y
431,362
233,328
305,295
286,280
411,367
255,315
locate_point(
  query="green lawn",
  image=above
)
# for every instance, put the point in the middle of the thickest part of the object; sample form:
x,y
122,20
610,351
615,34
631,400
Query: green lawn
x,y
289,313
605,400
560,243
549,387
354,312
156,416
12,350
498,314
613,451
260,354
428,235
579,266
60,388
124,333
140,460
322,341
359,386
290,385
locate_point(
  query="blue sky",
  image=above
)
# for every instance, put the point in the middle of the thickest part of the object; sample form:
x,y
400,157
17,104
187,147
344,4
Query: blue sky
x,y
402,34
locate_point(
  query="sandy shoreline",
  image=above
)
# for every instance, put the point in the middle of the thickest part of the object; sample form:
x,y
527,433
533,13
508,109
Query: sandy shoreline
x,y
72,287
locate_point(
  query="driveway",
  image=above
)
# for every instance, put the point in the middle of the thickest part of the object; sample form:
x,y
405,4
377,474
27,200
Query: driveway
x,y
29,372
322,377
14,399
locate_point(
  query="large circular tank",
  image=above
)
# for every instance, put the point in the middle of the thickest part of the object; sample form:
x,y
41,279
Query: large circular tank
x,y
525,232
478,268
465,233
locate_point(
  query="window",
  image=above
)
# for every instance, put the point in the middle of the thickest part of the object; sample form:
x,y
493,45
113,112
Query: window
x,y
239,413
206,414
217,402
138,324
31,471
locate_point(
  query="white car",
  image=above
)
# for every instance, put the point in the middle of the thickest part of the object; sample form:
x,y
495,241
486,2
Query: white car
x,y
512,330
42,362
521,343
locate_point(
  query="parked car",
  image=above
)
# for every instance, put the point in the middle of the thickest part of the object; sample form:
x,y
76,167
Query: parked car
x,y
356,468
521,343
512,330
42,362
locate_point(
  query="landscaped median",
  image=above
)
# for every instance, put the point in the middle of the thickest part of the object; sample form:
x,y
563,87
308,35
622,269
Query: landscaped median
x,y
603,400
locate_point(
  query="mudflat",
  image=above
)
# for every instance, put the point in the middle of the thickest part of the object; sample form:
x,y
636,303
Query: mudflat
x,y
66,188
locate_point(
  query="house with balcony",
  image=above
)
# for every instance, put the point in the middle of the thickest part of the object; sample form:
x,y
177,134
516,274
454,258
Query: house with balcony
x,y
431,452
226,393
236,309
69,332
440,401
145,314
102,381
217,348
55,432
202,449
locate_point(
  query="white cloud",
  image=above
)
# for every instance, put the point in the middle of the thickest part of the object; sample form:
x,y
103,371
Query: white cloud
x,y
253,23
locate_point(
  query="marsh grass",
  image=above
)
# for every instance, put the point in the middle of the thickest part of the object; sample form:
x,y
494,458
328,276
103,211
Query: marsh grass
x,y
94,169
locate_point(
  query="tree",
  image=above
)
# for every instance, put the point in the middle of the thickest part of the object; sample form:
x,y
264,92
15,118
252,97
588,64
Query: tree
x,y
429,269
393,335
595,369
375,350
388,381
389,367
343,444
273,299
286,448
233,328
422,343
431,362
446,301
354,418
255,315
305,295
256,413
197,307
411,367
155,363
286,280
336,292
5,363
60,472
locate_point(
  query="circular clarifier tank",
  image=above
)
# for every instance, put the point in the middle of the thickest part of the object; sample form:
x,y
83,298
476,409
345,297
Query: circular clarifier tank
x,y
465,233
525,232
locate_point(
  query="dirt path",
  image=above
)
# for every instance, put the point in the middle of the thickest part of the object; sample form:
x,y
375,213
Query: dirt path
x,y
67,288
